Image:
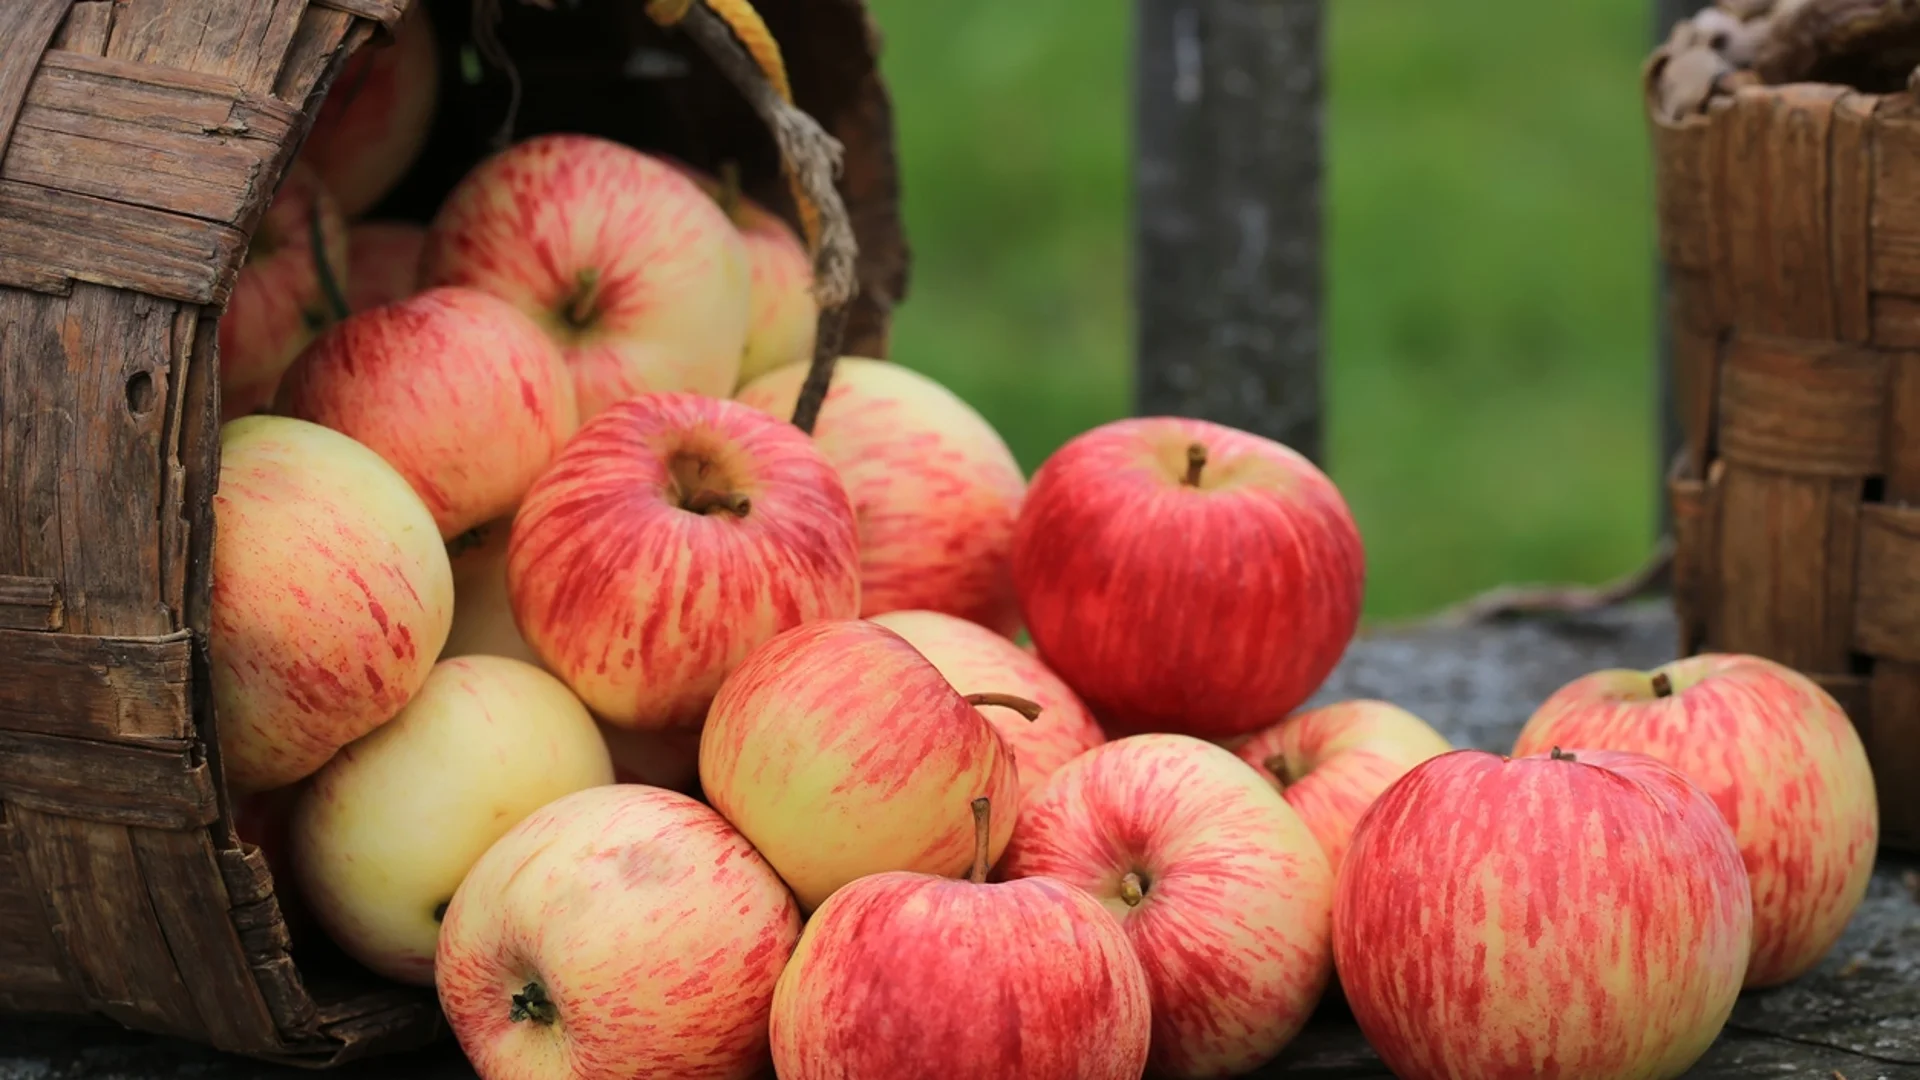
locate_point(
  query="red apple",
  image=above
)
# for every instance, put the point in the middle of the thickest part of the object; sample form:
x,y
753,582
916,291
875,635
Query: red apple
x,y
618,931
1183,576
934,487
454,387
1332,762
280,299
376,116
674,534
1219,885
621,257
1580,915
785,316
840,752
978,661
910,975
383,262
1780,759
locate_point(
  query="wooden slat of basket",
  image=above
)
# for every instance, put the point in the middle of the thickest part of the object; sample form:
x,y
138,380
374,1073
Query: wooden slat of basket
x,y
1851,210
1896,200
88,25
26,26
1814,408
29,603
92,781
176,865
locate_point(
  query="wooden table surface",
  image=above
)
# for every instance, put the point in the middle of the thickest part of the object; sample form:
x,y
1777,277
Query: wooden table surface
x,y
1856,1017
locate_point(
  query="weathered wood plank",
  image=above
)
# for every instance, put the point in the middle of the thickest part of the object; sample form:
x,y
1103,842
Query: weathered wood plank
x,y
85,238
30,963
210,176
88,25
217,37
385,12
30,603
27,27
112,689
95,782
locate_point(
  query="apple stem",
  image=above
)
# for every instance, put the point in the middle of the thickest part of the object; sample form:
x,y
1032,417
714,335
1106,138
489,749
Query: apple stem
x,y
1029,709
982,834
1277,765
329,283
532,1003
440,911
1662,685
704,501
1196,461
1562,755
1132,889
586,291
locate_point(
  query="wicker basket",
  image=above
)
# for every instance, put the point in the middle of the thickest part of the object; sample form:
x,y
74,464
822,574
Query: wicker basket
x,y
1789,221
140,141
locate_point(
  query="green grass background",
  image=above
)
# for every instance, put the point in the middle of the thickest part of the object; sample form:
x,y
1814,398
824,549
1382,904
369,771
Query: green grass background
x,y
1489,285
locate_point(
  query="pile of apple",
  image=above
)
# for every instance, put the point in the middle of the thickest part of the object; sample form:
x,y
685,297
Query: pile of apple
x,y
557,670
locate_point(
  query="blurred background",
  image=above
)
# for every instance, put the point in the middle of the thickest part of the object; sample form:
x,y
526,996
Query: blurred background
x,y
1489,263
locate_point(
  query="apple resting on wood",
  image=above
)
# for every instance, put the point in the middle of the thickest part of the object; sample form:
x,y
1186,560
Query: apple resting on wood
x,y
281,296
1187,577
331,597
673,535
454,387
382,836
1781,760
934,487
1331,763
1222,890
1579,913
841,752
914,975
619,931
376,115
383,262
619,256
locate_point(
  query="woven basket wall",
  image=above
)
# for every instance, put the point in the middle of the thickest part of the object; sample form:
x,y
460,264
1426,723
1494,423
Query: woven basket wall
x,y
1789,220
140,141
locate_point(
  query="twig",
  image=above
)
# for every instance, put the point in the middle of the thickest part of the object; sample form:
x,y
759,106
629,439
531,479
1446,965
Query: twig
x,y
1510,600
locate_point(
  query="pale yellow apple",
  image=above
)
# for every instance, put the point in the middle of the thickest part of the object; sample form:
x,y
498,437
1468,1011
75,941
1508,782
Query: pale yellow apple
x,y
482,614
385,833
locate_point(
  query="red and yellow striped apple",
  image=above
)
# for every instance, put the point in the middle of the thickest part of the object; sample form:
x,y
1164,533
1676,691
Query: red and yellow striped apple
x,y
913,975
618,931
785,316
621,258
1184,576
1332,762
383,262
841,752
374,121
1781,760
673,535
383,834
331,597
454,387
934,486
1575,915
280,301
978,661
1223,892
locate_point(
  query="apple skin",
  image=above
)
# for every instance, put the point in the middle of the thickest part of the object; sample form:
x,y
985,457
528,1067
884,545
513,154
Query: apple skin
x,y
383,834
840,752
454,387
621,258
977,660
643,606
482,611
1206,610
651,929
934,487
911,975
1231,917
375,118
1505,919
332,595
1781,760
279,302
383,262
1336,761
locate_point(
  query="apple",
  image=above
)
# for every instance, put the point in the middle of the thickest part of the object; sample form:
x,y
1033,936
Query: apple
x,y
281,297
1331,763
383,262
332,595
618,931
935,489
1779,757
1571,914
785,316
1186,577
978,661
454,387
375,118
902,974
383,834
632,269
664,759
1223,892
482,611
840,751
672,535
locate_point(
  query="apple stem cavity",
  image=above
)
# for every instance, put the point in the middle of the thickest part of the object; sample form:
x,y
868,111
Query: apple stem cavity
x,y
706,502
532,1003
1277,765
1662,685
1562,755
982,834
579,309
440,911
1196,461
1132,889
1029,709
